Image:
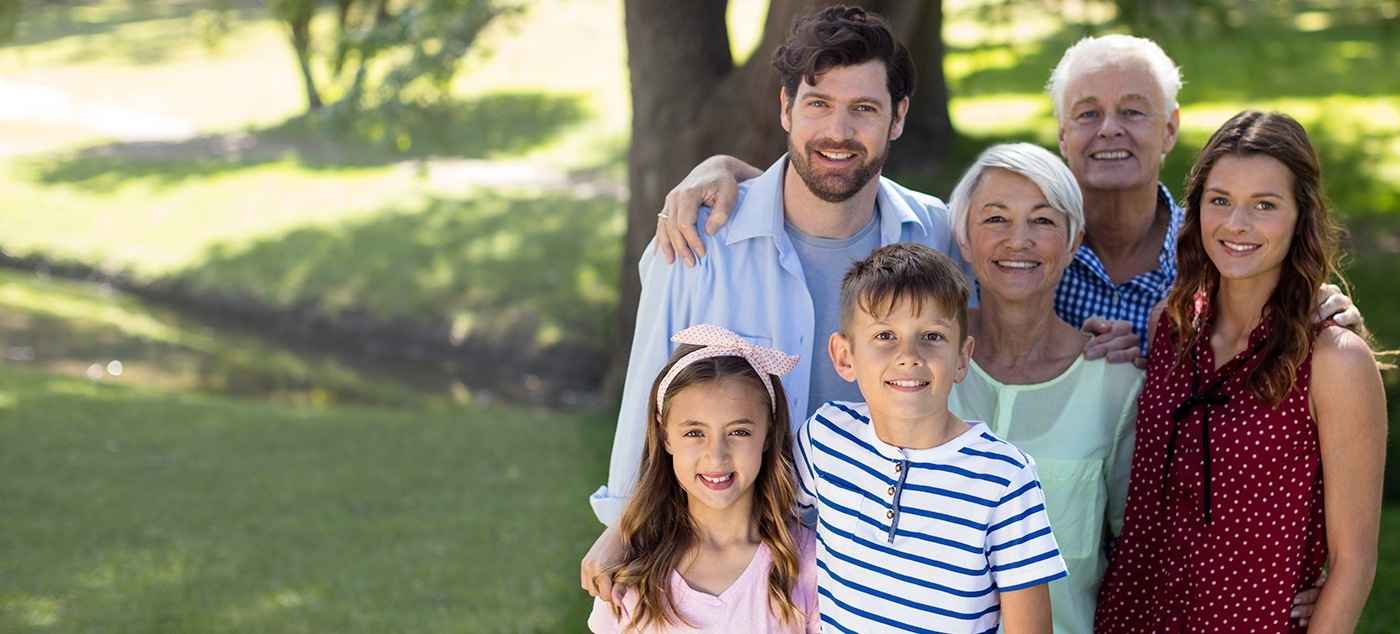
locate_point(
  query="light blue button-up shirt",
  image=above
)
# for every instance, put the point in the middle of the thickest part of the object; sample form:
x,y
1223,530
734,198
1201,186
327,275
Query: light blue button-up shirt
x,y
751,282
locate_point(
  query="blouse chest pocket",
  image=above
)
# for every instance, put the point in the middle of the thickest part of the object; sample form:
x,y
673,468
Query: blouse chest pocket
x,y
1076,497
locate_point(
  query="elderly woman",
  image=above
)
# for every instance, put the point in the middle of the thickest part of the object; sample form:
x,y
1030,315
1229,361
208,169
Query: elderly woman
x,y
1019,217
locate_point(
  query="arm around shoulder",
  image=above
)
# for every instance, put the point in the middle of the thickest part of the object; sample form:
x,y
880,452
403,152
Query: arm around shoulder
x,y
667,304
1348,405
714,182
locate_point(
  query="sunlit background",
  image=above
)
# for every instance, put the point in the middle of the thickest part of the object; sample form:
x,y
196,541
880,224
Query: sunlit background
x,y
271,371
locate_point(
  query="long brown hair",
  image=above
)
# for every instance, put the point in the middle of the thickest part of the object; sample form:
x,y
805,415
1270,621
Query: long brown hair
x,y
656,527
1311,258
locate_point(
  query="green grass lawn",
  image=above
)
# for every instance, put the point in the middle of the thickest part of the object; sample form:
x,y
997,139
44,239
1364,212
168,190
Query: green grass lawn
x,y
125,509
132,510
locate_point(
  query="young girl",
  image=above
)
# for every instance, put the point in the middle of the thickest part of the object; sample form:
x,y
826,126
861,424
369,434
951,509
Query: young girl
x,y
1261,436
710,544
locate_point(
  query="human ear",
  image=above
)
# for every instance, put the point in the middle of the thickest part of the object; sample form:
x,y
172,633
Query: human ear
x,y
1173,124
839,347
1074,244
784,109
964,360
665,437
962,246
897,126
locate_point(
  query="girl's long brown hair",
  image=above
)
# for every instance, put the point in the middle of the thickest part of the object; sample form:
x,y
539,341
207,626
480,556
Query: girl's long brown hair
x,y
656,527
1311,258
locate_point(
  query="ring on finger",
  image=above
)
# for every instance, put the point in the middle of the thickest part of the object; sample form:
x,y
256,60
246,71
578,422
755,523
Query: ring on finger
x,y
662,215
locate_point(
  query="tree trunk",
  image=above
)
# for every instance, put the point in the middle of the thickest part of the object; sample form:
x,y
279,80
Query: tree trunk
x,y
690,101
300,25
929,130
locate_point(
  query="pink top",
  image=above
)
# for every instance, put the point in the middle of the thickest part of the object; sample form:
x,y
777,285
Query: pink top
x,y
743,607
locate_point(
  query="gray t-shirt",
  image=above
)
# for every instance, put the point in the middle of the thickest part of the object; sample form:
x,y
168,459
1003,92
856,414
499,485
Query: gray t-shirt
x,y
824,262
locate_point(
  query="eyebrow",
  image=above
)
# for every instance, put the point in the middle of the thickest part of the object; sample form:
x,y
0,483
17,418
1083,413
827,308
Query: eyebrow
x,y
1095,100
825,97
1263,194
695,423
1044,204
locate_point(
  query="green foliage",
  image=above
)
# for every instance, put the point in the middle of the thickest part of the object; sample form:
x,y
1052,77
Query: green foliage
x,y
486,127
1383,608
130,510
384,64
9,19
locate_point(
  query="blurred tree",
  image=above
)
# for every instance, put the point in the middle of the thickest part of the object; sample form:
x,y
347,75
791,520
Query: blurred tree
x,y
389,57
691,100
9,19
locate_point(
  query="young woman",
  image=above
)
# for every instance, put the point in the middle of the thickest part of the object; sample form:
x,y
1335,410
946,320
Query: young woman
x,y
1261,435
709,541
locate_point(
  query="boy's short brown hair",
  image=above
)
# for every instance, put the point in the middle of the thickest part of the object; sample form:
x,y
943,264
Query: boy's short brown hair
x,y
900,271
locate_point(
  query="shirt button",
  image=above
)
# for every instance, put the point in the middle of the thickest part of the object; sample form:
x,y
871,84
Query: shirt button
x,y
898,467
889,514
891,492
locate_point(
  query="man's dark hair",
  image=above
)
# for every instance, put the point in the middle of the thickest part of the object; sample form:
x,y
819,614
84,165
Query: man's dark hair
x,y
841,36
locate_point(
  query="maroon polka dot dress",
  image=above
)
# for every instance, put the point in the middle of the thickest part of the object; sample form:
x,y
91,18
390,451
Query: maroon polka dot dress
x,y
1223,527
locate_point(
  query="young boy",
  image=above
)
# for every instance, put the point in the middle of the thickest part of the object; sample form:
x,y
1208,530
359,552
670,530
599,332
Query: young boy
x,y
924,521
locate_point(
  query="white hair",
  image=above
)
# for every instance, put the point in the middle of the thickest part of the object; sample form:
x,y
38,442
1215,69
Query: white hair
x,y
1111,48
1046,170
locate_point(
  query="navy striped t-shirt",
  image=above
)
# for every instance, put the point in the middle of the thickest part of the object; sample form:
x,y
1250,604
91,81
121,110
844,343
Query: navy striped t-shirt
x,y
919,540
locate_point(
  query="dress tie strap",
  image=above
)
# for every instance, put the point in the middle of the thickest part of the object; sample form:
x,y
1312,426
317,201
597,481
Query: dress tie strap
x,y
1201,398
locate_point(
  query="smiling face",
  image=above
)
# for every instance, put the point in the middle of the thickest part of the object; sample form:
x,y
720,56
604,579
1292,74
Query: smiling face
x,y
905,362
1116,127
839,131
1017,242
1248,215
716,432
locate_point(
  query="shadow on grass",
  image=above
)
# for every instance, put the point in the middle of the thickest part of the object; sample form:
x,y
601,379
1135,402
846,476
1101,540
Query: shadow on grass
x,y
138,32
505,285
486,128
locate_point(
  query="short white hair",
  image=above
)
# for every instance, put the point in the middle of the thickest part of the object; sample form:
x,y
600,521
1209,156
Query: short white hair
x,y
1112,48
1036,163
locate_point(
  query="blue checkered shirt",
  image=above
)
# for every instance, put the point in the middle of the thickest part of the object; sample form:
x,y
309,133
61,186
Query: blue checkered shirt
x,y
1086,290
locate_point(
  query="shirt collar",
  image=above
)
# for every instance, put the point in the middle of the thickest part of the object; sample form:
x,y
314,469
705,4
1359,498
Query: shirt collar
x,y
1167,256
759,210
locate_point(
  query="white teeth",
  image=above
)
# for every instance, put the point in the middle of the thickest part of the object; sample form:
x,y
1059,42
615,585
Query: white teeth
x,y
1235,246
1013,264
718,480
909,383
1108,156
837,156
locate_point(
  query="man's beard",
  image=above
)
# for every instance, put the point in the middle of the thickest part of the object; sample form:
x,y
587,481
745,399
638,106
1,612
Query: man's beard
x,y
835,186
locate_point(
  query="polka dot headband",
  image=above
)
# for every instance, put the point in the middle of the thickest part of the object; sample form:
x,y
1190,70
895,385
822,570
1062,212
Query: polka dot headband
x,y
722,342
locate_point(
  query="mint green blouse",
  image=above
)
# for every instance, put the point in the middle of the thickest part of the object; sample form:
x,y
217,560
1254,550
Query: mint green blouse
x,y
1079,428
